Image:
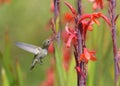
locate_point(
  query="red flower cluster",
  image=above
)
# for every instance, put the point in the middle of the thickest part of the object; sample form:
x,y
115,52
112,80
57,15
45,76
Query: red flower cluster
x,y
87,20
71,36
93,18
87,55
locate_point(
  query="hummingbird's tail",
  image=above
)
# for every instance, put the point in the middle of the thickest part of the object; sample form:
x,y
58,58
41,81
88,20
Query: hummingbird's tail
x,y
33,62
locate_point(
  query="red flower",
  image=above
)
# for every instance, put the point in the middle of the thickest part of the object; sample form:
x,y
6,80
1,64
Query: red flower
x,y
68,17
66,57
52,6
71,36
93,18
97,4
5,1
86,25
70,7
87,55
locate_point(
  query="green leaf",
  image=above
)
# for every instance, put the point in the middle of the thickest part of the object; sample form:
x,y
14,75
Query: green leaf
x,y
59,67
91,74
19,74
72,75
1,55
5,81
7,62
6,55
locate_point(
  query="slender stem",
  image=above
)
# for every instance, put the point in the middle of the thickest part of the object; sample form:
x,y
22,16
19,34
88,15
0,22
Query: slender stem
x,y
56,9
81,79
59,69
112,14
56,18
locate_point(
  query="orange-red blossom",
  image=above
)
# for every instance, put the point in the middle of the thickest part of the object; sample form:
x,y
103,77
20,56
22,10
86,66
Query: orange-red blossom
x,y
87,55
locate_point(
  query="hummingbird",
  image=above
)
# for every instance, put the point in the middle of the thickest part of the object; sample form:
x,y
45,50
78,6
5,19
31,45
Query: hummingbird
x,y
39,52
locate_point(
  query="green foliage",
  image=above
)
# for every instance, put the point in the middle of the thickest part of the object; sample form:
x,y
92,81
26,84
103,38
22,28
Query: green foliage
x,y
59,67
71,75
7,71
19,75
5,81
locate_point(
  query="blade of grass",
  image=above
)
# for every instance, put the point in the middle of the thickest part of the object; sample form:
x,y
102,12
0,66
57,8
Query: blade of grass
x,y
5,81
7,62
19,74
91,74
1,55
59,67
71,75
92,65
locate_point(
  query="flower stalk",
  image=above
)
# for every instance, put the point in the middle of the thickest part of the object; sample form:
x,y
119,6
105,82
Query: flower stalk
x,y
112,16
82,74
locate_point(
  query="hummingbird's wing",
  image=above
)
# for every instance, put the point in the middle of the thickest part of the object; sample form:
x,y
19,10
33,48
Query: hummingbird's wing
x,y
29,47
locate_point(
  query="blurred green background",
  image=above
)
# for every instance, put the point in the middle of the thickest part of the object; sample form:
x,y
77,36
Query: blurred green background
x,y
25,21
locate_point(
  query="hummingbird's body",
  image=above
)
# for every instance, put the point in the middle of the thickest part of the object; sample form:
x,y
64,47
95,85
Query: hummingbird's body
x,y
38,51
38,57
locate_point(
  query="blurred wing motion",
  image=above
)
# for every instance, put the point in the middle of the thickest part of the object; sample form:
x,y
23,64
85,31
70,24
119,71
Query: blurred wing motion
x,y
28,47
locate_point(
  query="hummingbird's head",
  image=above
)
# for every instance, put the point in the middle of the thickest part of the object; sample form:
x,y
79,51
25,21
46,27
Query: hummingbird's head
x,y
46,43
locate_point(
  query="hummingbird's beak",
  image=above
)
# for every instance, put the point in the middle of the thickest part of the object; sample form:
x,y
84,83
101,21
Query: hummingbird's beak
x,y
55,37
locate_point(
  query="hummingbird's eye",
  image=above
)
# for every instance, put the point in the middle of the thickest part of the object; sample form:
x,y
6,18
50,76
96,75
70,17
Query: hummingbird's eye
x,y
48,41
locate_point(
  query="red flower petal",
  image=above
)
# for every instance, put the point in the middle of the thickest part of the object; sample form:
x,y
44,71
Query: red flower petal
x,y
52,6
66,57
91,0
96,21
68,17
71,35
93,58
90,28
87,55
70,7
106,19
69,41
93,17
98,4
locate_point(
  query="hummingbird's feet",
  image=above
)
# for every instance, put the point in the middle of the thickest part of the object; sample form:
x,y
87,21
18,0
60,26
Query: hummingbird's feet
x,y
40,61
32,66
33,63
